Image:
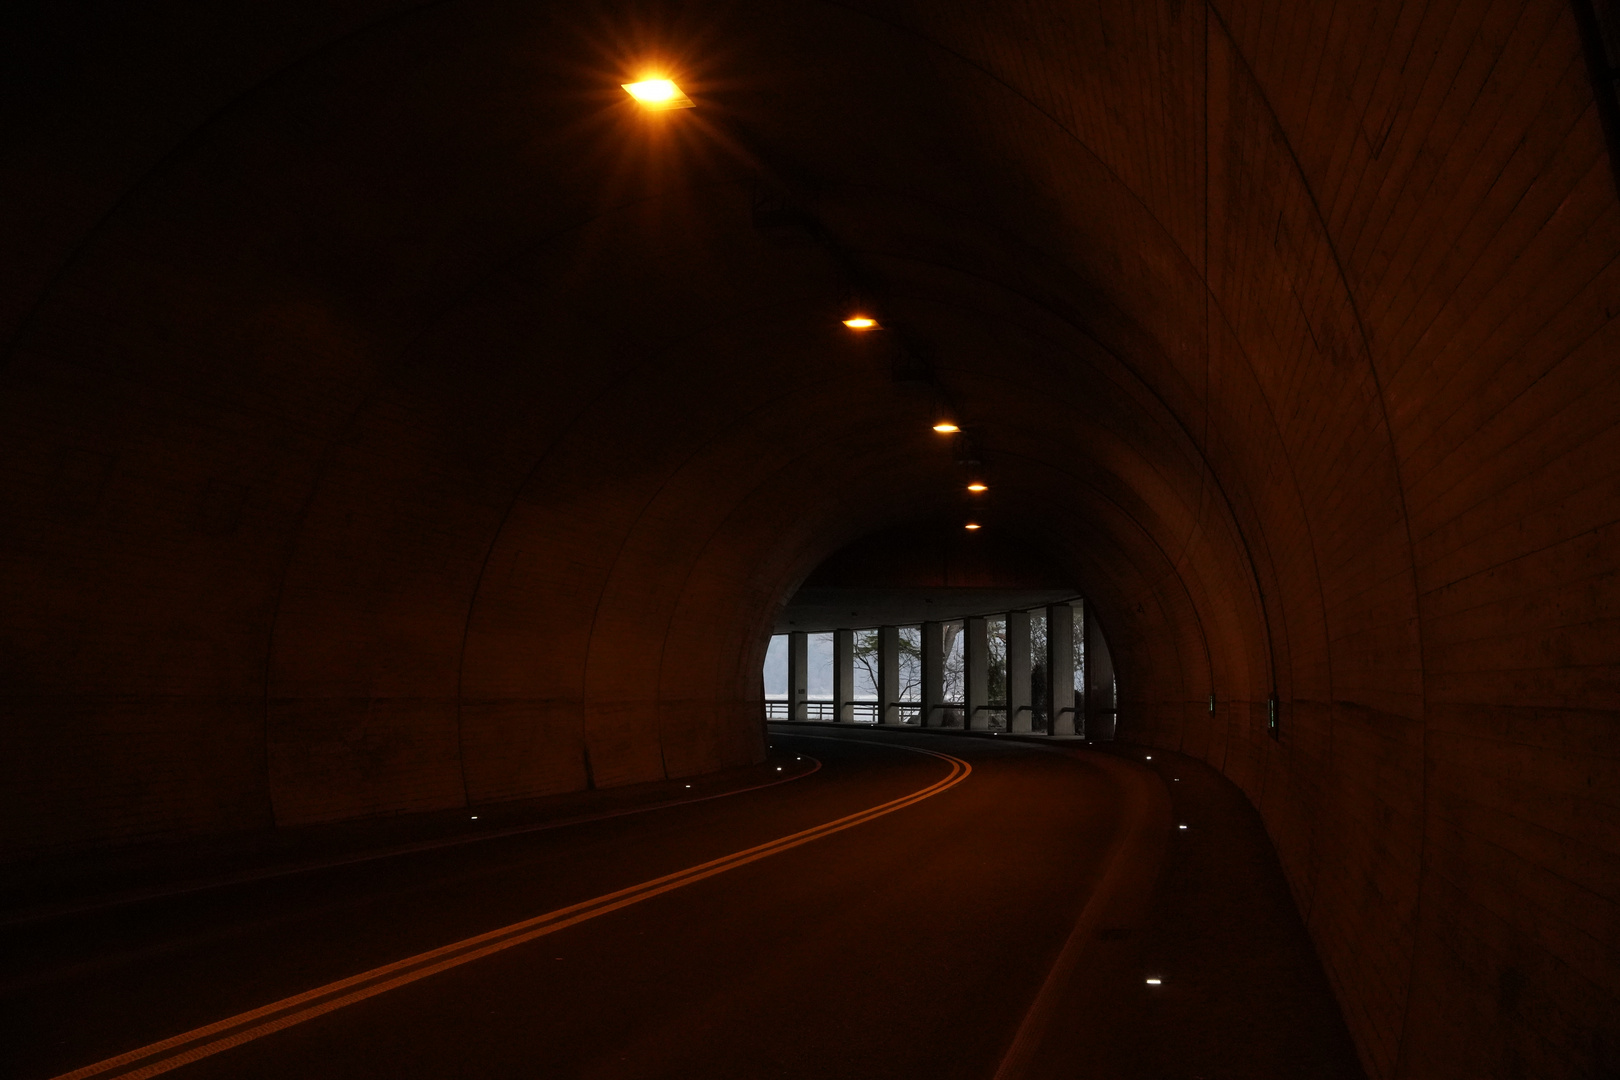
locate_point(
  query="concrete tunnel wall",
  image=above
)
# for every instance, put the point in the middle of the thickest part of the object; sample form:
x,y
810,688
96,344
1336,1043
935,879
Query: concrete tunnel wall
x,y
394,419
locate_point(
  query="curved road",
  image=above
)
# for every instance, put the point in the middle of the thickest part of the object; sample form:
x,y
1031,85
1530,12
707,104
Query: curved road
x,y
910,909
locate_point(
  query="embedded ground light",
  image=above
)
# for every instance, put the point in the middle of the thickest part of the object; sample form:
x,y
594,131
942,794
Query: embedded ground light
x,y
657,95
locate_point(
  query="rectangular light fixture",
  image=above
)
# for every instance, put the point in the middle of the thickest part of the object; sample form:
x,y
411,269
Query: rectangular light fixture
x,y
657,95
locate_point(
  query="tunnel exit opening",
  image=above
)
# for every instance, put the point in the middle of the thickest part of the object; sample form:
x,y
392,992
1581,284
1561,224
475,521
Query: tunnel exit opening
x,y
1039,671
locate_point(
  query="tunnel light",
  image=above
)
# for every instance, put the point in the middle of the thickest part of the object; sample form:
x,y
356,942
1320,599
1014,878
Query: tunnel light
x,y
1150,757
779,768
972,525
657,95
1181,826
861,322
688,787
1154,982
946,427
977,487
475,817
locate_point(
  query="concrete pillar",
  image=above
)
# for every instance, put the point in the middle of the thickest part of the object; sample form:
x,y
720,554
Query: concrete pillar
x,y
933,674
844,676
798,674
1019,708
976,672
1060,668
1101,708
889,675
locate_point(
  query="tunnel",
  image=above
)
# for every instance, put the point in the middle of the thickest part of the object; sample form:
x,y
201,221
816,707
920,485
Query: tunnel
x,y
403,421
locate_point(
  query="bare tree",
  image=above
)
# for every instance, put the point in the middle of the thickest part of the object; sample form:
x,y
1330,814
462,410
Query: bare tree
x,y
910,663
1037,669
868,654
996,632
867,658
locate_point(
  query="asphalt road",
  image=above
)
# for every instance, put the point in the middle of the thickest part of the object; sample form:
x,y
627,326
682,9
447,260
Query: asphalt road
x,y
913,939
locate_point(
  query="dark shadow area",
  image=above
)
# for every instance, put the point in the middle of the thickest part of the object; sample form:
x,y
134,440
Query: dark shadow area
x,y
1243,993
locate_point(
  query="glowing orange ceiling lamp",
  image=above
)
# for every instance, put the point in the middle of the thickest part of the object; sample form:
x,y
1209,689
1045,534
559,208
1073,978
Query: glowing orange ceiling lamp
x,y
946,427
976,487
657,95
970,526
861,322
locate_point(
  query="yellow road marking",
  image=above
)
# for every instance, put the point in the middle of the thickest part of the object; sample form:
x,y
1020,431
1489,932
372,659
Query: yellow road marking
x,y
202,1042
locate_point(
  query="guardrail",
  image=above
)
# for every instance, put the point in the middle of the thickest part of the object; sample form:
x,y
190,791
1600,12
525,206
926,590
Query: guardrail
x,y
862,712
909,714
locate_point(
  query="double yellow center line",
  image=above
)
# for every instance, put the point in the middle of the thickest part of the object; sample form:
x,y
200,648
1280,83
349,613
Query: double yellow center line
x,y
194,1045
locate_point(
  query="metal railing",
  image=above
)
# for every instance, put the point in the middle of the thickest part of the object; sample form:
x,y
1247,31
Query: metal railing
x,y
909,714
862,712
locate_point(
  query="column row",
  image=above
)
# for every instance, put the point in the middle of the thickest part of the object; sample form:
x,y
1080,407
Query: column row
x,y
1055,712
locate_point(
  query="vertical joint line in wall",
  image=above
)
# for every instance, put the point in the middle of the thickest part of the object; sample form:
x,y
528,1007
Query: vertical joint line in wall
x,y
1208,336
1400,491
1209,659
1605,75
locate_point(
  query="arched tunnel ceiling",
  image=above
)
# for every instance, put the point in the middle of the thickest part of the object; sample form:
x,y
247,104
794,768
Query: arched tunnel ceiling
x,y
396,418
